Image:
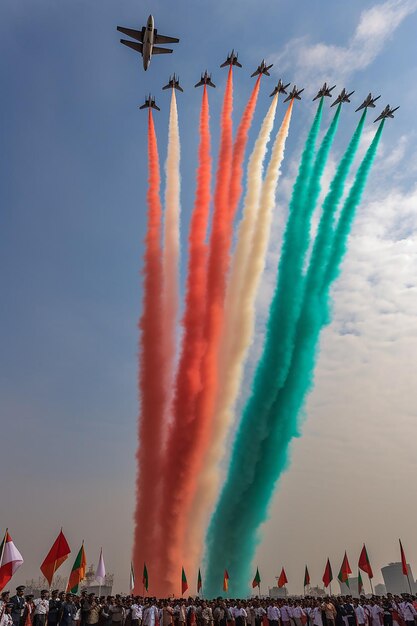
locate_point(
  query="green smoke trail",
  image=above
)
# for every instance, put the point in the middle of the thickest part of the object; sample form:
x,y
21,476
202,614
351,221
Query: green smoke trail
x,y
222,544
290,400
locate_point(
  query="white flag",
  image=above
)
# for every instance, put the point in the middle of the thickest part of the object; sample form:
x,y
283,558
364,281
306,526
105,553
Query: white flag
x,y
132,577
10,562
101,569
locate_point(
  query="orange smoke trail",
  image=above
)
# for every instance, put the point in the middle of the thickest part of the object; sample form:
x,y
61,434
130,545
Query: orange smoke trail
x,y
151,372
188,382
235,190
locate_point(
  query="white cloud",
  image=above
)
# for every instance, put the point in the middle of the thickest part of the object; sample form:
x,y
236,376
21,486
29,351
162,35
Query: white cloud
x,y
322,61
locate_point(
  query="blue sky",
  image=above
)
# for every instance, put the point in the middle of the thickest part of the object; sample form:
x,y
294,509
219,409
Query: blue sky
x,y
72,220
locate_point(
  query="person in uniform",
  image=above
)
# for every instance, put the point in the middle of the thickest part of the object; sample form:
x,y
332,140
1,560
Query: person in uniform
x,y
40,614
18,601
68,611
54,608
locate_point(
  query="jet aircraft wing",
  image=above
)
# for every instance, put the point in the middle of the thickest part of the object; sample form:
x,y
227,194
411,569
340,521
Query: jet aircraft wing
x,y
156,50
138,47
130,32
164,39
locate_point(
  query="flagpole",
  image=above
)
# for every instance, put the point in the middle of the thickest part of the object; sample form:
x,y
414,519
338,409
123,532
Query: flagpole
x,y
330,586
409,584
4,545
370,582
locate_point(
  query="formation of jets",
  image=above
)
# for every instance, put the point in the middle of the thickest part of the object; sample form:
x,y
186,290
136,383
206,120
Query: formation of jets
x,y
147,42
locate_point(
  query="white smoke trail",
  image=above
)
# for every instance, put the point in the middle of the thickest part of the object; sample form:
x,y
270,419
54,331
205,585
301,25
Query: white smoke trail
x,y
171,245
208,480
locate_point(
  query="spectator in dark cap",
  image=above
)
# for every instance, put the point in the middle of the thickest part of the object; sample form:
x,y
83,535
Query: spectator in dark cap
x,y
68,611
55,604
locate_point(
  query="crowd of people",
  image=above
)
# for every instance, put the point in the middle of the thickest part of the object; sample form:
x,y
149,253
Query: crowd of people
x,y
67,609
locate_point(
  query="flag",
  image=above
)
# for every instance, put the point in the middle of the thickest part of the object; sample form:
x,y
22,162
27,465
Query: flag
x,y
360,583
184,583
145,577
11,560
403,560
55,557
328,574
256,582
345,570
306,577
225,581
199,582
364,563
282,580
132,577
101,569
78,571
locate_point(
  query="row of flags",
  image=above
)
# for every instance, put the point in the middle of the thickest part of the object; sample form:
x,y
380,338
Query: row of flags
x,y
11,560
364,565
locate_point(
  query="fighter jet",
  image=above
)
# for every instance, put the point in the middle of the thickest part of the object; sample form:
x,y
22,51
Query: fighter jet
x,y
174,83
280,88
368,102
342,97
205,80
324,91
148,37
232,59
150,103
262,69
294,94
387,112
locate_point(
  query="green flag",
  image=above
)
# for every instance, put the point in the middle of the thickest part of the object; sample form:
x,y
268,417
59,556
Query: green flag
x,y
145,579
256,582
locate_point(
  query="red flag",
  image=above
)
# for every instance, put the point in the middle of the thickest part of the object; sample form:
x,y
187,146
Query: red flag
x,y
364,563
282,580
403,560
328,575
225,580
344,571
306,577
55,557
